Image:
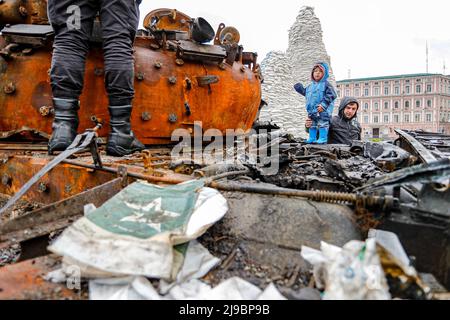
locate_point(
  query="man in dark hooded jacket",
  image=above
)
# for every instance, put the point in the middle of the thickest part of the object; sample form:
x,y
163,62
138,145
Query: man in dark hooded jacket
x,y
344,127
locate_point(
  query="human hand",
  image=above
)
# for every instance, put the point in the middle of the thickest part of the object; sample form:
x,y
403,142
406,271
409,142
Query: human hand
x,y
320,108
308,123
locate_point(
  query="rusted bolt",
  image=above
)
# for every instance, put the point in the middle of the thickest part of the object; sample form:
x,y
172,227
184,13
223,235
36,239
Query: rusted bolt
x,y
147,159
45,111
146,116
173,118
98,71
42,187
9,88
23,11
179,62
243,69
222,66
158,65
6,180
172,80
140,76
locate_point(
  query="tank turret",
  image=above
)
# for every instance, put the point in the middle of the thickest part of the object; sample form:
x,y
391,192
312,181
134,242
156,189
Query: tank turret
x,y
179,82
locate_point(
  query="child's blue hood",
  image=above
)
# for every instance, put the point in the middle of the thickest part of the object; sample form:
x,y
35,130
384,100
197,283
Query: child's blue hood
x,y
325,69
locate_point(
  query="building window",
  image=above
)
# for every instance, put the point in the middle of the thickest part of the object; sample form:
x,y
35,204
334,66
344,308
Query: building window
x,y
396,104
418,88
339,93
407,90
429,88
347,92
376,106
407,118
418,103
396,118
406,104
357,92
407,81
429,117
366,106
386,118
376,91
429,103
386,105
397,91
386,91
417,117
375,119
366,119
366,92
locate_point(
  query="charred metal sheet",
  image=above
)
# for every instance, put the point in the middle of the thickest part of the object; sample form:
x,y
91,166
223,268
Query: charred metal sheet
x,y
436,172
189,50
35,35
55,216
80,143
407,142
428,243
62,182
24,281
387,156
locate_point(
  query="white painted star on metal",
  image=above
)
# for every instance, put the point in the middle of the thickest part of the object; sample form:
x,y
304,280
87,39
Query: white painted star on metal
x,y
151,214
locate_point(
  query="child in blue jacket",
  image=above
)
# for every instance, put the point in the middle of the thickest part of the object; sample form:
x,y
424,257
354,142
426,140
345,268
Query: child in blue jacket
x,y
320,96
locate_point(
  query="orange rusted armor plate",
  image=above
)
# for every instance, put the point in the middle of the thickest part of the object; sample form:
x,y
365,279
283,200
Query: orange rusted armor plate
x,y
18,11
23,281
161,93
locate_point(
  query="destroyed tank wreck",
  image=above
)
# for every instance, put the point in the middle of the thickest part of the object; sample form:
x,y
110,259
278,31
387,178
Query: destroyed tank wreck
x,y
330,193
178,80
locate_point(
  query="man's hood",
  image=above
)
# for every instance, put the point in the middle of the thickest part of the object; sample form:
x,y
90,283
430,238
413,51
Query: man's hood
x,y
325,69
344,102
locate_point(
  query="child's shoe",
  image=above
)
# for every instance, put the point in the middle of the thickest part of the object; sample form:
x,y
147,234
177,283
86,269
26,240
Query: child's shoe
x,y
312,135
323,136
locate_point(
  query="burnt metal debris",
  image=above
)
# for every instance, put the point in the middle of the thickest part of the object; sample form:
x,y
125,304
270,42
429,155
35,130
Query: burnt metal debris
x,y
386,187
332,193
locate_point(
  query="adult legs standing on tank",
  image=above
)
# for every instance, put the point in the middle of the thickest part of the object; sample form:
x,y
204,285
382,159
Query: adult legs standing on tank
x,y
73,21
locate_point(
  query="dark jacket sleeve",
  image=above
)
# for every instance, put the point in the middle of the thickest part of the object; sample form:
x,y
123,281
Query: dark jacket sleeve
x,y
331,132
329,96
358,127
300,89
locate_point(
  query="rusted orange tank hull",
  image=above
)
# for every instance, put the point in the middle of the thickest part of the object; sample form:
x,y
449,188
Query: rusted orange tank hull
x,y
161,93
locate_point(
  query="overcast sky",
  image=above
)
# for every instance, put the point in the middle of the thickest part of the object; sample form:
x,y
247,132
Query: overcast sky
x,y
370,38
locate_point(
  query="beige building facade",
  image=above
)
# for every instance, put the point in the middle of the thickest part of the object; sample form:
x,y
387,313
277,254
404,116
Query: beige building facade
x,y
408,102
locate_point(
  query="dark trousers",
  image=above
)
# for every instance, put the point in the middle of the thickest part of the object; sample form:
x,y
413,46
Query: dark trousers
x,y
73,21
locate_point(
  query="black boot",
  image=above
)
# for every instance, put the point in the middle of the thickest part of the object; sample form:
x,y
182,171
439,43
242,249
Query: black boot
x,y
121,140
65,124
